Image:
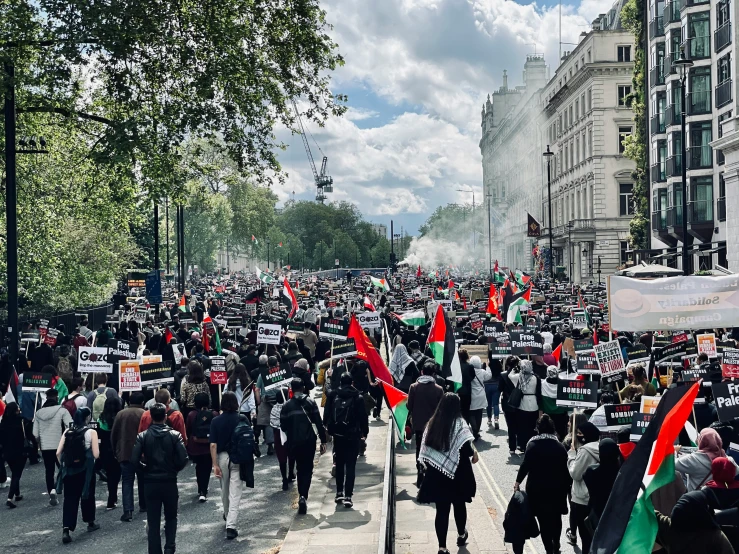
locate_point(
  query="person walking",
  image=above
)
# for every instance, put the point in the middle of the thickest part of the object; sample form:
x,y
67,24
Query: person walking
x,y
299,415
583,453
77,451
50,422
505,389
241,384
174,417
547,481
403,368
161,451
491,392
96,398
528,410
347,421
468,375
600,478
123,437
198,447
12,441
108,461
446,452
479,400
423,398
229,434
266,399
696,466
193,384
283,457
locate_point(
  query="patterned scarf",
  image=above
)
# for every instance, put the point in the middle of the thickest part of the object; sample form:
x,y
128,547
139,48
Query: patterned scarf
x,y
447,462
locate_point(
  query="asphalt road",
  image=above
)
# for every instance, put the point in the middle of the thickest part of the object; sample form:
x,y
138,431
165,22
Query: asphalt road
x,y
496,473
264,519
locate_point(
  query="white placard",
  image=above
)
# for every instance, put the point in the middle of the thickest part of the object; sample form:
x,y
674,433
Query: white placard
x,y
94,360
369,320
268,333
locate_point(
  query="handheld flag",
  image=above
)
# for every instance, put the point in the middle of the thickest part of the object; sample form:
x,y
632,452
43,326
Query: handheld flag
x,y
380,283
264,277
184,306
368,305
411,318
557,352
492,307
367,352
288,298
397,400
442,345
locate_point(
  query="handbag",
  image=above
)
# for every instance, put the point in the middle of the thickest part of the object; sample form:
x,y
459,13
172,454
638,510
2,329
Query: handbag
x,y
28,446
515,398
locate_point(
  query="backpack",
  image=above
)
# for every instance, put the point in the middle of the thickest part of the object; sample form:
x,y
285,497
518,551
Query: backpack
x,y
70,404
64,368
344,421
98,405
241,446
75,453
201,426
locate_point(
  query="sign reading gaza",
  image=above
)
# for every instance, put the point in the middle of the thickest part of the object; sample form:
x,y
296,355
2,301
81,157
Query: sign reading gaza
x,y
526,344
268,333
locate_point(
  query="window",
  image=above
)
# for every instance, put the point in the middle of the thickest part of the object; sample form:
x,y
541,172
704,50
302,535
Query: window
x,y
625,199
582,103
723,69
572,153
571,118
590,99
582,62
583,145
623,92
623,132
623,246
590,142
657,77
699,35
577,149
700,136
723,15
701,199
588,56
624,53
699,97
577,110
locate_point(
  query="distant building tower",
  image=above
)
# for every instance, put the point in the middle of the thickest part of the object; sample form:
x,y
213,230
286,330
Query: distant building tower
x,y
380,229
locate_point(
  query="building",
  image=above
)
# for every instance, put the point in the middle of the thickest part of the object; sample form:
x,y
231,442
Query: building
x,y
582,116
380,229
511,139
676,27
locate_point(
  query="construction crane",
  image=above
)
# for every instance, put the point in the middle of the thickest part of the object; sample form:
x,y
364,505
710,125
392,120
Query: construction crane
x,y
324,183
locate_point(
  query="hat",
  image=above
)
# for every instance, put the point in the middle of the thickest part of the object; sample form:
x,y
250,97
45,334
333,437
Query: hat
x,y
195,335
476,362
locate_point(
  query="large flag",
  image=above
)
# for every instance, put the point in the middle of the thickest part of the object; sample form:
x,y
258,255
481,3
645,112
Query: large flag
x,y
514,308
628,524
264,277
397,400
411,318
380,283
208,332
288,298
492,301
184,305
368,305
367,352
442,345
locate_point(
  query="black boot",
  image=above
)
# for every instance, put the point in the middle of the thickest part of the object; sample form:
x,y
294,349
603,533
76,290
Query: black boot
x,y
66,539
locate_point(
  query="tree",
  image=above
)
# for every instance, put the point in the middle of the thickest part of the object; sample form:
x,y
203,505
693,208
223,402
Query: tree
x,y
322,256
381,253
206,226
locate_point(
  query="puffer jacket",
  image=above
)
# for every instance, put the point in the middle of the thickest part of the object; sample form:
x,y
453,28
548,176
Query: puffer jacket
x,y
161,451
49,424
578,461
479,399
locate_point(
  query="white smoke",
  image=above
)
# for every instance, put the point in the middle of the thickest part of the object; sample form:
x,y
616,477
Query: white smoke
x,y
429,253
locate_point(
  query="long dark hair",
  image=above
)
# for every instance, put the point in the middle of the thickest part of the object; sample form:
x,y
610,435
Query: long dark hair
x,y
110,410
242,375
439,429
195,373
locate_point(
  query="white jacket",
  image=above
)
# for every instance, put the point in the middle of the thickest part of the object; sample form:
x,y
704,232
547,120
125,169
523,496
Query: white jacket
x,y
479,399
577,462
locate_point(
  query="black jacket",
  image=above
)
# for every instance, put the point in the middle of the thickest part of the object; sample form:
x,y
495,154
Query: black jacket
x,y
161,452
360,413
548,479
519,523
296,418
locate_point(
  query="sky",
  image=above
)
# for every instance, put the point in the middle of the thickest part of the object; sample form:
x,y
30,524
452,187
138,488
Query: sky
x,y
417,73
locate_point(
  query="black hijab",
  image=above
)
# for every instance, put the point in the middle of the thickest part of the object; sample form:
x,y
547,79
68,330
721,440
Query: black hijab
x,y
692,512
589,431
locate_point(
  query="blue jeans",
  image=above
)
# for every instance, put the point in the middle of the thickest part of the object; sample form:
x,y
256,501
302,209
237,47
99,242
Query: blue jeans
x,y
128,473
491,391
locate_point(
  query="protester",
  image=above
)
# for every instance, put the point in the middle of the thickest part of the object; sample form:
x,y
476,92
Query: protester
x,y
193,384
198,446
283,457
583,453
174,418
423,398
558,414
527,411
265,401
96,398
599,478
696,466
123,438
491,392
108,460
446,451
12,440
50,422
403,369
242,386
299,415
162,450
505,389
479,400
468,375
76,397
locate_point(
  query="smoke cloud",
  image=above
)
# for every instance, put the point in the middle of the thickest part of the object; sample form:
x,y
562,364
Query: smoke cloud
x,y
429,252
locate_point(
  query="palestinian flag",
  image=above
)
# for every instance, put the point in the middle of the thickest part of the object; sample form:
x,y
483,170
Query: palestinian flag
x,y
264,277
557,352
254,240
184,305
492,301
368,305
380,283
168,336
628,524
412,318
581,304
397,401
288,298
367,352
442,345
209,329
518,300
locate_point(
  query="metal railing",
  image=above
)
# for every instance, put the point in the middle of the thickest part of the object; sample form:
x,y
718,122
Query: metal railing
x,y
700,211
722,37
675,216
700,157
697,48
672,114
574,226
674,166
656,27
387,518
659,220
672,12
658,173
723,93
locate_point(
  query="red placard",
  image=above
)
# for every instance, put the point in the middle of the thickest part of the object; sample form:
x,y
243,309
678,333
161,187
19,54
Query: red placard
x,y
476,325
218,377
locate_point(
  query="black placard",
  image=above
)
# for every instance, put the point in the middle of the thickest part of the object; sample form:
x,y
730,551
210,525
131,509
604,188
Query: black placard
x,y
694,374
671,351
587,364
583,345
637,353
333,328
572,393
639,425
156,374
295,328
618,415
275,377
344,349
726,397
492,329
36,382
526,344
722,345
500,347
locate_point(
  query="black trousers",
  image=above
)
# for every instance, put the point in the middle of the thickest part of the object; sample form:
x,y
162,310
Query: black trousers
x,y
550,524
476,421
511,423
161,494
113,472
419,438
466,401
441,523
526,427
346,452
303,455
73,487
50,464
16,465
579,514
203,467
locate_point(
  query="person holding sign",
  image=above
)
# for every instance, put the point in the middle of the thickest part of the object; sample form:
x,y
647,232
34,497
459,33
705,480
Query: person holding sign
x,y
12,438
583,453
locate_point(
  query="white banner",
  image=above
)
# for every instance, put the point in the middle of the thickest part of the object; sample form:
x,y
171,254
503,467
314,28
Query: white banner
x,y
268,334
94,360
369,320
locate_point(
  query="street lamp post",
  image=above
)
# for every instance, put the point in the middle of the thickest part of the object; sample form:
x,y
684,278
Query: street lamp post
x,y
570,225
267,254
683,65
490,238
548,155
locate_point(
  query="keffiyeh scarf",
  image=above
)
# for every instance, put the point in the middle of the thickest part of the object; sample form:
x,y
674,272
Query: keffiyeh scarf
x,y
447,462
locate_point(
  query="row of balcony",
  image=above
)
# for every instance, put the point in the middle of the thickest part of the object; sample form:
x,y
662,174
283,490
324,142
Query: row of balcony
x,y
668,222
693,47
699,157
699,103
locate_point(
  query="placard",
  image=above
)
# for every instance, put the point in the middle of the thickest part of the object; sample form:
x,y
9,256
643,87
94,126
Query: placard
x,y
250,309
476,325
34,381
583,345
268,333
649,404
579,321
153,375
610,361
572,393
50,338
639,425
637,353
276,377
123,349
369,320
730,363
674,350
694,374
492,329
94,359
722,345
587,364
726,397
618,415
333,328
151,359
178,351
218,377
526,344
707,345
344,349
129,376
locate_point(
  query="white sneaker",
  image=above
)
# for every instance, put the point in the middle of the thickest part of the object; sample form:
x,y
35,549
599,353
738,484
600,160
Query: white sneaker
x,y
202,498
5,485
52,498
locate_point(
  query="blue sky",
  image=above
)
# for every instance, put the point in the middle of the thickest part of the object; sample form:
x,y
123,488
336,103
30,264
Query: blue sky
x,y
417,73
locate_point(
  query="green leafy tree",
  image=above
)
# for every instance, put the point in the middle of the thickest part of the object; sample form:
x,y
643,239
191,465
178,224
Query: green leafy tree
x,y
381,253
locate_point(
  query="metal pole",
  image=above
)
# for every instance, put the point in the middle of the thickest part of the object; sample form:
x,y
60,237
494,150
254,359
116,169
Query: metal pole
x,y
166,225
183,261
549,193
569,251
392,247
268,255
490,241
11,213
156,245
686,259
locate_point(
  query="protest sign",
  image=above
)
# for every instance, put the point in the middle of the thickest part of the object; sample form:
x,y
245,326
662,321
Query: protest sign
x,y
123,349
722,345
476,325
639,425
500,347
178,350
610,361
51,336
34,381
649,404
587,364
572,393
583,345
579,321
151,359
218,373
730,364
492,329
369,320
618,415
129,376
694,374
268,333
637,353
94,360
276,377
332,328
153,375
250,309
526,344
674,350
344,349
726,396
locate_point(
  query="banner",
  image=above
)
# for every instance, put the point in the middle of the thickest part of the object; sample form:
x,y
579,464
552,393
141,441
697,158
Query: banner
x,y
153,375
707,345
618,415
610,361
369,320
533,228
730,364
36,382
276,377
129,376
94,360
572,393
268,333
673,303
637,353
526,344
344,349
726,396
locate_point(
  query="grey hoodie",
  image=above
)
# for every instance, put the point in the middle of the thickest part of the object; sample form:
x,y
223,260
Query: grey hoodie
x,y
577,462
49,424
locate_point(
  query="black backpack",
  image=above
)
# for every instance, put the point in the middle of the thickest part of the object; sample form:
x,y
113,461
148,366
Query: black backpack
x,y
344,420
241,445
75,453
201,426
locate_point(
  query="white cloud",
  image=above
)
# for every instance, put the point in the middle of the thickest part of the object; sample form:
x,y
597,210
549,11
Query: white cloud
x,y
359,114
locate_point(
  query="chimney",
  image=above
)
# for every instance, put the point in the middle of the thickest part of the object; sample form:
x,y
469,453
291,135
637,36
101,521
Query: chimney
x,y
505,80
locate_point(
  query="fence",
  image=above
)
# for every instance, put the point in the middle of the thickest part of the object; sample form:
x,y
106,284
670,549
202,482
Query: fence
x,y
387,519
96,316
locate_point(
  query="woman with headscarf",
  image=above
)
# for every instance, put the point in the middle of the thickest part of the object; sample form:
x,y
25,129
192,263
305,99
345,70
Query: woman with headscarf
x,y
691,528
403,368
505,389
549,401
446,452
548,481
528,410
722,493
583,453
301,370
599,478
479,399
696,466
12,439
